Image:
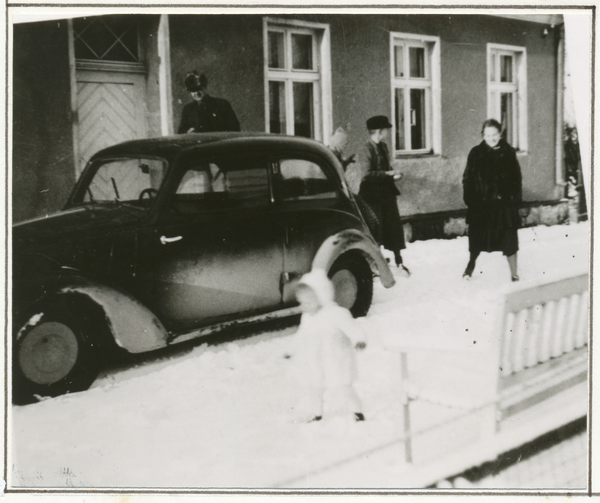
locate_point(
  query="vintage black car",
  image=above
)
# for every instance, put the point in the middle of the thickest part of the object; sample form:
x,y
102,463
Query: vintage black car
x,y
167,239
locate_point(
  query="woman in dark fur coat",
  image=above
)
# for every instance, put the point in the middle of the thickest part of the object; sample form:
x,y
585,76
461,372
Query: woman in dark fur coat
x,y
492,192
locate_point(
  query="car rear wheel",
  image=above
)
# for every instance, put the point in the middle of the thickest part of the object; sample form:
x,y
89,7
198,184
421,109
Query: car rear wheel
x,y
353,283
53,355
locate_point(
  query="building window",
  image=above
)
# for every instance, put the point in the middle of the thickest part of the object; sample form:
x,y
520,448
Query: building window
x,y
106,38
415,93
297,79
507,92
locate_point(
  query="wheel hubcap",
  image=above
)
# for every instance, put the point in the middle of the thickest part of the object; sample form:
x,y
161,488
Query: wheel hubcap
x,y
346,288
48,352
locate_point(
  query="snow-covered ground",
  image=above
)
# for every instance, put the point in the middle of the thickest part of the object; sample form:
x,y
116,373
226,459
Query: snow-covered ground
x,y
225,416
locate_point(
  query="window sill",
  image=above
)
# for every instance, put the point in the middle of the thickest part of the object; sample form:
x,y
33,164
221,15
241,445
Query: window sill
x,y
424,155
522,153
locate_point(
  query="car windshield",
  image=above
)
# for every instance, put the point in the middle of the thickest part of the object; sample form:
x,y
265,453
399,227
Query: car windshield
x,y
132,179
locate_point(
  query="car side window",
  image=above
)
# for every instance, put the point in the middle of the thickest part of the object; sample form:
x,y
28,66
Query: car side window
x,y
125,179
224,184
302,179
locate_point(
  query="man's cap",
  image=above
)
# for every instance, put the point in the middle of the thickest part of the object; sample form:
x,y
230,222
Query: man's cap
x,y
378,122
195,82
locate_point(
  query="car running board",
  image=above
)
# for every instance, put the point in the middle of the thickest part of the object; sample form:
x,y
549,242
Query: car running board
x,y
218,327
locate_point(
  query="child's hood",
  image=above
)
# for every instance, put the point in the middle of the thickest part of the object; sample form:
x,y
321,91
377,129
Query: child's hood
x,y
319,283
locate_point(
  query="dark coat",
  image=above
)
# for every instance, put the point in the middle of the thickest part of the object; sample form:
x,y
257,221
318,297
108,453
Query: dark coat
x,y
492,191
376,184
210,115
379,190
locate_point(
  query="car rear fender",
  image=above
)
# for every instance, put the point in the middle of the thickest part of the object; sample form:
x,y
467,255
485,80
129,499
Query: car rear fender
x,y
132,325
352,239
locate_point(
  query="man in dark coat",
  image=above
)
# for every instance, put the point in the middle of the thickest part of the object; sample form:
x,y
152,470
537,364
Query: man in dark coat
x,y
378,189
205,114
492,192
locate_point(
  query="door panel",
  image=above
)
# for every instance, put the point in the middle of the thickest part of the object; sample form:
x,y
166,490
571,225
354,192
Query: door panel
x,y
217,253
218,268
110,109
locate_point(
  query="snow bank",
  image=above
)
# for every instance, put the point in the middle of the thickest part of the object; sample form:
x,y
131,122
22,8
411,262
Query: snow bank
x,y
224,416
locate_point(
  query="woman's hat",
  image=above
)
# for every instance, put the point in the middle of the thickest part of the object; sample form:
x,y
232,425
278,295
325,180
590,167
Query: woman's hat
x,y
378,122
195,82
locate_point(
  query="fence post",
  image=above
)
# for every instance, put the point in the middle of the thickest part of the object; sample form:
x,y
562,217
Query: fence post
x,y
406,407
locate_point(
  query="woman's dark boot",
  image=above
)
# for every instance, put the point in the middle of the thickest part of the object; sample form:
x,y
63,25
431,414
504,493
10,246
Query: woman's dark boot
x,y
401,266
470,266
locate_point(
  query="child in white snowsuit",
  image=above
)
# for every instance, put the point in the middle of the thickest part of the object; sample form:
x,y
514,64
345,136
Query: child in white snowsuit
x,y
326,338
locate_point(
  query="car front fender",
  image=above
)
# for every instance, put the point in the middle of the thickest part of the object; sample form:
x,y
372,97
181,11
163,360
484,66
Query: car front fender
x,y
133,326
352,239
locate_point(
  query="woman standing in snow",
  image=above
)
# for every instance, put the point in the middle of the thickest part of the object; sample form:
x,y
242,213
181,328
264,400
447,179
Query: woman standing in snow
x,y
492,192
326,338
379,190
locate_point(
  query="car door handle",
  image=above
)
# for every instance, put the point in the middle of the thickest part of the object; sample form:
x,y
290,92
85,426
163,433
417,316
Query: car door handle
x,y
164,239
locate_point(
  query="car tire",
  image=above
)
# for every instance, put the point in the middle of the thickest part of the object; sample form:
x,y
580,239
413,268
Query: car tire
x,y
352,279
54,355
370,217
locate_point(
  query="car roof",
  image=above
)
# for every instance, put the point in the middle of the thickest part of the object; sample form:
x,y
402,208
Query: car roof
x,y
169,146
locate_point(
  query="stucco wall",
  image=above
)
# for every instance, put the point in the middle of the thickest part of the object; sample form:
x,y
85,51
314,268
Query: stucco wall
x,y
362,88
229,51
42,158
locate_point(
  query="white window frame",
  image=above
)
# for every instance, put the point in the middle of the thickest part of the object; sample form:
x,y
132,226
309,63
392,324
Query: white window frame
x,y
320,76
518,88
432,85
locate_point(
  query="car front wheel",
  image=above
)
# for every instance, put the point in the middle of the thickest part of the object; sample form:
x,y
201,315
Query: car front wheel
x,y
353,283
54,354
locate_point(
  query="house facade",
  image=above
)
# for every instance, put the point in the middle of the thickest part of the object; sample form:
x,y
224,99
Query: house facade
x,y
85,83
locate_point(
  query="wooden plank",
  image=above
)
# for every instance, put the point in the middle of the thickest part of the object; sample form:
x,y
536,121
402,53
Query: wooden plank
x,y
543,394
548,368
522,299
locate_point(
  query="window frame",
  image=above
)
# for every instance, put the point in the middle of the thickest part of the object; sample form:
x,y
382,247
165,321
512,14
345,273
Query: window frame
x,y
431,83
320,75
518,88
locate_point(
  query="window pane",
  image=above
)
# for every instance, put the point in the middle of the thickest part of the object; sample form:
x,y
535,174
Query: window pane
x,y
302,52
493,59
277,107
108,38
303,109
416,56
399,61
276,50
399,116
417,119
238,183
507,116
125,179
302,179
506,69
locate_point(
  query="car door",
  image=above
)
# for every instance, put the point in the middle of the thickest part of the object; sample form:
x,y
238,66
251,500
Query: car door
x,y
310,209
218,249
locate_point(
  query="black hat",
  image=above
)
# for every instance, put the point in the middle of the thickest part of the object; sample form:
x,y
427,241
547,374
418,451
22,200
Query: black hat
x,y
378,122
195,82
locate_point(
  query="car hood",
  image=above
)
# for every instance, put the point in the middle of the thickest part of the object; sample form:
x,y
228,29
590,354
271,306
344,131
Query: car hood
x,y
88,221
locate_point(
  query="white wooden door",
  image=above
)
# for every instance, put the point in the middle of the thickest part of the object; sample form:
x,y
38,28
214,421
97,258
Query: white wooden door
x,y
110,109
